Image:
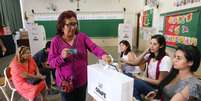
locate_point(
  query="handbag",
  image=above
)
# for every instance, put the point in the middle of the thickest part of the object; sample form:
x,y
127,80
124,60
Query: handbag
x,y
33,81
66,84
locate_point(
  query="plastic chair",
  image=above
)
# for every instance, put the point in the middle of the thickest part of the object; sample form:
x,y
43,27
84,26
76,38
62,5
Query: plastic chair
x,y
2,86
8,80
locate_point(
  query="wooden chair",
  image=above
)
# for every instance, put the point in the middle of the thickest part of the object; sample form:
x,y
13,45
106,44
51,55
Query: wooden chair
x,y
8,80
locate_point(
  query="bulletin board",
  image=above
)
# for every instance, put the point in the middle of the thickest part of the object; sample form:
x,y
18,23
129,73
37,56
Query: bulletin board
x,y
183,27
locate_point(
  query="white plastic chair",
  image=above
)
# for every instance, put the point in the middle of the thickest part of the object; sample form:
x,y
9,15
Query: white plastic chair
x,y
7,79
2,89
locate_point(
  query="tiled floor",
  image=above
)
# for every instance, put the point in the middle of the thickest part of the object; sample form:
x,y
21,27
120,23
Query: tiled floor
x,y
17,97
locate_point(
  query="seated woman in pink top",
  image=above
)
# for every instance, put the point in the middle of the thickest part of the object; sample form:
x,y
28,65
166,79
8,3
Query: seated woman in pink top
x,y
23,67
68,54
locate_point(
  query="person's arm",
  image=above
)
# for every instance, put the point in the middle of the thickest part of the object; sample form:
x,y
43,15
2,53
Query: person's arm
x,y
26,75
182,95
45,64
55,59
131,56
3,47
38,75
96,50
137,61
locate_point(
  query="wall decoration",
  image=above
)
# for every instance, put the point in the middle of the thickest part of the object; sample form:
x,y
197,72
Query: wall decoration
x,y
152,3
52,6
178,3
147,18
182,28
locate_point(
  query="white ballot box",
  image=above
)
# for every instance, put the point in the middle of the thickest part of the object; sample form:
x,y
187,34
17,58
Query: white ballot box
x,y
108,84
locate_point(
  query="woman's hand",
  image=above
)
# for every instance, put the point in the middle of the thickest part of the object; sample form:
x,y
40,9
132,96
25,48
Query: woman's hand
x,y
150,96
4,50
105,58
122,61
136,76
64,53
41,76
147,51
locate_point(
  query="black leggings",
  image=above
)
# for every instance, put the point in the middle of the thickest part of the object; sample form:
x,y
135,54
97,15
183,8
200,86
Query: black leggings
x,y
78,94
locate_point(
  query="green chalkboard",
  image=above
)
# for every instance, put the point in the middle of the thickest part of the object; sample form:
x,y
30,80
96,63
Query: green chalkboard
x,y
93,28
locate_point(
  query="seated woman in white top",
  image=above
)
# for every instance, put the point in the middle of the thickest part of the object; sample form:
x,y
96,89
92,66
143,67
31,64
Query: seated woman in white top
x,y
158,66
127,55
181,84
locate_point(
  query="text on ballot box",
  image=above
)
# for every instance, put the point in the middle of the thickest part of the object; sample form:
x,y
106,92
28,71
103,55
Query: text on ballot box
x,y
108,84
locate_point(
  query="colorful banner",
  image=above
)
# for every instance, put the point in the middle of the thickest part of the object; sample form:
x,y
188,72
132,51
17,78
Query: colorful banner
x,y
172,40
178,3
147,18
181,29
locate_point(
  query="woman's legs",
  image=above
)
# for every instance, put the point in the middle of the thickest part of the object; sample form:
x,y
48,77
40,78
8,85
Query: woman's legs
x,y
43,94
66,96
80,93
141,87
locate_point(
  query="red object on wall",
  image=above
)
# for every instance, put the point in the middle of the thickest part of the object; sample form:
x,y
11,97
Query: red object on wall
x,y
1,31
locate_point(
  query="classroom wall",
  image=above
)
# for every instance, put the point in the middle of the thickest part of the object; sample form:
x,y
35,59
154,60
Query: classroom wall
x,y
165,6
132,7
42,6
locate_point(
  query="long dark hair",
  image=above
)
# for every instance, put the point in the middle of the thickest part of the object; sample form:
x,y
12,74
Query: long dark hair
x,y
61,21
161,40
126,43
192,54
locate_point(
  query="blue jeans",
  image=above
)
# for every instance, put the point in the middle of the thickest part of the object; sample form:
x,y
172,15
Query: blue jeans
x,y
46,72
78,94
128,74
142,87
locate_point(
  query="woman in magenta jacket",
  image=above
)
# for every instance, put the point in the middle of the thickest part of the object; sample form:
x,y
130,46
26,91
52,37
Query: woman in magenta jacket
x,y
68,54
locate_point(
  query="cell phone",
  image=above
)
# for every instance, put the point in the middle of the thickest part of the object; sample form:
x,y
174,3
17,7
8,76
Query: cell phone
x,y
72,51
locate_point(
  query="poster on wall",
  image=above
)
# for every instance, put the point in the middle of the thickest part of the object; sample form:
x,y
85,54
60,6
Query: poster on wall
x,y
147,18
181,28
152,3
125,32
178,3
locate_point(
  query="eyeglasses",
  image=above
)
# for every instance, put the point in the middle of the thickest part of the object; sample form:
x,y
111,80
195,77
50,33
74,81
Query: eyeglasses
x,y
71,25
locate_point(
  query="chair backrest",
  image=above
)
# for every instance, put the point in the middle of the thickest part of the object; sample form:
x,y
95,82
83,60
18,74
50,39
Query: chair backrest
x,y
2,81
7,74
